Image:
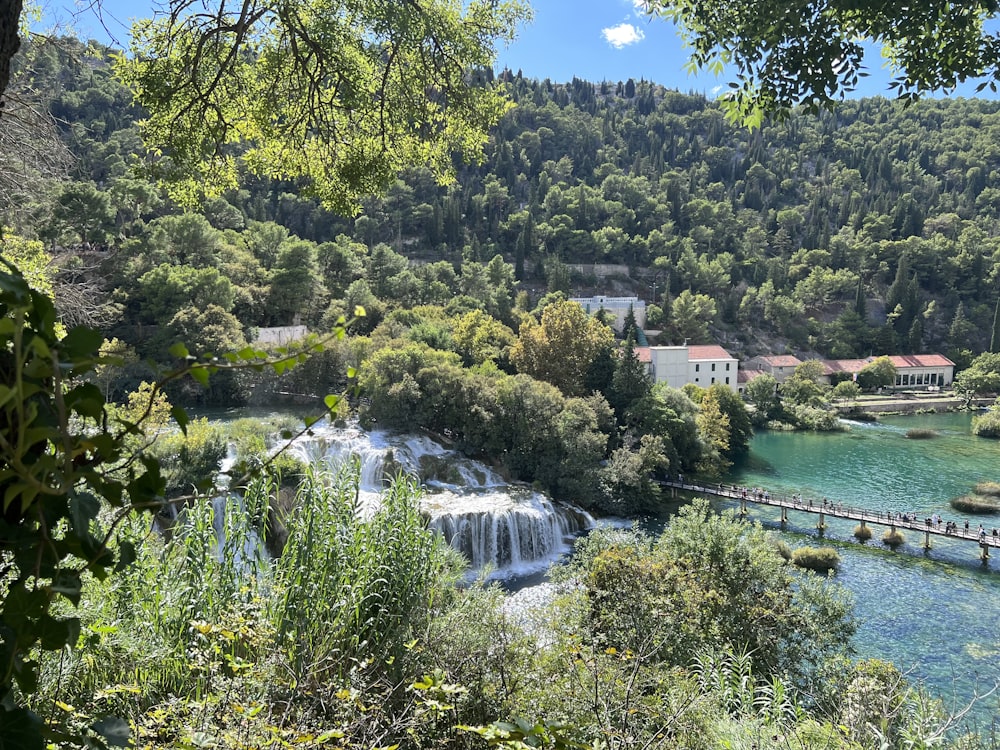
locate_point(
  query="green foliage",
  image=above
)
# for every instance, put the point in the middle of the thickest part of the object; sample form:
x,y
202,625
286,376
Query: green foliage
x,y
354,581
560,349
982,376
845,390
820,559
710,582
929,52
879,373
273,84
57,453
762,392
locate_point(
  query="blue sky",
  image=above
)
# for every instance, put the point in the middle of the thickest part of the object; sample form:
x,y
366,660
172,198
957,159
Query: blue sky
x,y
591,39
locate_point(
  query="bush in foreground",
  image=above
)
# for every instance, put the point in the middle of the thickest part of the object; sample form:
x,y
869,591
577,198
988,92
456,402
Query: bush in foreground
x,y
822,559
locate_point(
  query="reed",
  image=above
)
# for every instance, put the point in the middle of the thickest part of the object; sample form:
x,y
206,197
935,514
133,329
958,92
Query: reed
x,y
862,533
921,434
821,559
989,489
352,581
976,504
893,538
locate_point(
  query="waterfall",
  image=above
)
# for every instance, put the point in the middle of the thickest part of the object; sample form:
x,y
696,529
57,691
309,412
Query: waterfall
x,y
510,528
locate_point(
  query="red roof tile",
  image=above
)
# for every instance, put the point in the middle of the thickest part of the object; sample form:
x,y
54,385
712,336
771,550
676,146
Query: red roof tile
x,y
708,351
921,360
831,366
901,361
643,354
780,360
745,376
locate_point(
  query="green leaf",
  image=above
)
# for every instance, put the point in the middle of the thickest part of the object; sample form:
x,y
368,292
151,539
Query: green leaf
x,y
179,351
53,634
80,342
86,400
180,417
20,729
83,508
331,400
200,374
126,555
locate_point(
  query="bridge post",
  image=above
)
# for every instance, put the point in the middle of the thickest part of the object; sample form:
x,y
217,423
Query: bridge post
x,y
784,516
985,556
821,526
927,538
743,506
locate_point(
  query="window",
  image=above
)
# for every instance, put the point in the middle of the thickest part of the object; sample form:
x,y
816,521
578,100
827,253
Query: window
x,y
697,368
713,367
713,381
727,380
727,367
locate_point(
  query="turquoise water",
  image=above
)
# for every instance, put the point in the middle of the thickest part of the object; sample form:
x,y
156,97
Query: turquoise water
x,y
935,614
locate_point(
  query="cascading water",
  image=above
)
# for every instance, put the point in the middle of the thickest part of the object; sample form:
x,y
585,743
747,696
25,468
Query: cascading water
x,y
509,528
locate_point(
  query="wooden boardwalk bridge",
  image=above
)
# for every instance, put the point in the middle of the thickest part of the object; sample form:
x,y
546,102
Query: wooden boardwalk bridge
x,y
985,540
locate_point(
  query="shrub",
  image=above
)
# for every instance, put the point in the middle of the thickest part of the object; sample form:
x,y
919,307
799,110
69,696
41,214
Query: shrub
x,y
783,550
893,538
989,489
987,425
921,434
862,533
975,503
822,559
814,418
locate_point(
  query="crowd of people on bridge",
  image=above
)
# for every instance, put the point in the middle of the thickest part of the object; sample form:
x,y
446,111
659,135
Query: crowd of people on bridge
x,y
761,495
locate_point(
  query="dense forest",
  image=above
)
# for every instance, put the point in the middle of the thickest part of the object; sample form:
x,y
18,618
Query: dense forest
x,y
868,230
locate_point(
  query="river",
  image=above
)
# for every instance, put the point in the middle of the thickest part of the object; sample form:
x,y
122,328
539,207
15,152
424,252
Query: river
x,y
935,614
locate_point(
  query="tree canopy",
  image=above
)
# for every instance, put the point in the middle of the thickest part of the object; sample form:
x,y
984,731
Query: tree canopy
x,y
787,53
316,90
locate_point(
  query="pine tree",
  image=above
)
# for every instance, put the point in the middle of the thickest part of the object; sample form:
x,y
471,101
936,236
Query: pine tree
x,y
629,325
860,301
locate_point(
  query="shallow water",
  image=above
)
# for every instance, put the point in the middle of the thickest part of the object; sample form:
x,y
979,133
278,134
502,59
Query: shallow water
x,y
935,614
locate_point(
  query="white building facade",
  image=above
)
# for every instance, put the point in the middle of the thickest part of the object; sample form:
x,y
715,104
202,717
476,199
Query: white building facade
x,y
702,365
616,309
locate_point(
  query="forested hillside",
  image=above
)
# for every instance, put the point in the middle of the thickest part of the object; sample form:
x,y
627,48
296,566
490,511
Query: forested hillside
x,y
873,229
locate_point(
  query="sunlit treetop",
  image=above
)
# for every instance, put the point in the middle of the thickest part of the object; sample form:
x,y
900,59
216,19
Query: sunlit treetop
x,y
338,94
809,52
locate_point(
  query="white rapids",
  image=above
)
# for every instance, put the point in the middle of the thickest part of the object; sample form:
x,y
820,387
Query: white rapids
x,y
506,529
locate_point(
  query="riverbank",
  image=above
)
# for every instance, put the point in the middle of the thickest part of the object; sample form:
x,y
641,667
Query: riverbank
x,y
907,403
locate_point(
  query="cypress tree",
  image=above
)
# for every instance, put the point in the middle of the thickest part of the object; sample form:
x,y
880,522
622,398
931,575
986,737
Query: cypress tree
x,y
995,336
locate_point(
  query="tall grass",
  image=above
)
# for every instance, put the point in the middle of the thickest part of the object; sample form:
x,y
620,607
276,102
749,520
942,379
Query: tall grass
x,y
352,581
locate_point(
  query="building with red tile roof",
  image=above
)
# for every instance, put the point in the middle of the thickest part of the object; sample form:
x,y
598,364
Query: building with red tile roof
x,y
780,366
912,370
702,365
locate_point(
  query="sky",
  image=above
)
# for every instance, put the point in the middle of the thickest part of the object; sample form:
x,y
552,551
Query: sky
x,y
594,40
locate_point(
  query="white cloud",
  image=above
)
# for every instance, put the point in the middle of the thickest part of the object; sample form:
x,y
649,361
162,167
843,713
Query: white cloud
x,y
622,35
